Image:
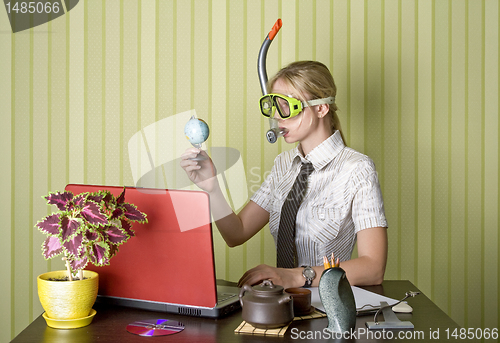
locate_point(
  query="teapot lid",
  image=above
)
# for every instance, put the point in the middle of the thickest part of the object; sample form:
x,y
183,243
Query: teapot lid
x,y
268,288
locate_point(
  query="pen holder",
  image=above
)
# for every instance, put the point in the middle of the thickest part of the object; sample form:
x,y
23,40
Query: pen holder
x,y
338,300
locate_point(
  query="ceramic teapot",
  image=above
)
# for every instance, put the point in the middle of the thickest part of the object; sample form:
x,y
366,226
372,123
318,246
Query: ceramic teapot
x,y
266,306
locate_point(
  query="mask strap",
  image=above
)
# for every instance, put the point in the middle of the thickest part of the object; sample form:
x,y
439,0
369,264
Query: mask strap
x,y
330,100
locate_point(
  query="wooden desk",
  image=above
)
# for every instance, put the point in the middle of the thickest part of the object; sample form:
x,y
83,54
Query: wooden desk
x,y
109,325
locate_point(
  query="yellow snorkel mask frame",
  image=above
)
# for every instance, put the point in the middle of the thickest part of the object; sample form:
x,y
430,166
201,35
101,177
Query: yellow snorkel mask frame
x,y
287,107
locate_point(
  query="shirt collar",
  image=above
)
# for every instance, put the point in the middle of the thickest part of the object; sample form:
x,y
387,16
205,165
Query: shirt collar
x,y
323,154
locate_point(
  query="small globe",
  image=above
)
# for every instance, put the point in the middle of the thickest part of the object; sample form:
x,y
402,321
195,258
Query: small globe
x,y
196,131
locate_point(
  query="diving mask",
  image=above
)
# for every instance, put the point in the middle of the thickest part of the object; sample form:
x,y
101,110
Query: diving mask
x,y
287,107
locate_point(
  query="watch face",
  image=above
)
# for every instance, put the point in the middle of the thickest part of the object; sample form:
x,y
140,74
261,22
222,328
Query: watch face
x,y
309,273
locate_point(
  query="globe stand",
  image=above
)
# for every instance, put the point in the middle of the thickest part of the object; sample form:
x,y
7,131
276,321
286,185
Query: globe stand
x,y
199,157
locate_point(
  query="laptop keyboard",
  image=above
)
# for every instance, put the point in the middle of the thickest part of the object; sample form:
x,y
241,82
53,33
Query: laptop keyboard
x,y
224,296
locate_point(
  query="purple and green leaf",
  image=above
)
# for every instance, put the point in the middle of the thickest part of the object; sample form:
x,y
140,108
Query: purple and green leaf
x,y
115,235
91,236
117,213
78,264
74,246
121,198
95,197
92,214
98,255
132,213
59,199
127,227
79,200
113,249
69,227
51,247
50,225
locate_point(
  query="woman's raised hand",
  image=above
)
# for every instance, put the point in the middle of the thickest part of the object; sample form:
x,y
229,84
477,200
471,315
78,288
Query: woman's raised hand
x,y
202,173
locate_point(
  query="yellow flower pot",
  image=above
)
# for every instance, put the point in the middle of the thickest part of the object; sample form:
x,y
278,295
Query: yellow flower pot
x,y
67,300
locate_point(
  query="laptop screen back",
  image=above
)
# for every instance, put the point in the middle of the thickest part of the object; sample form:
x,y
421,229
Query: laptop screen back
x,y
170,259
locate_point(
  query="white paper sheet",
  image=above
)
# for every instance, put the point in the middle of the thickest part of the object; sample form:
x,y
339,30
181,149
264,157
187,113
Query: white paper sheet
x,y
365,300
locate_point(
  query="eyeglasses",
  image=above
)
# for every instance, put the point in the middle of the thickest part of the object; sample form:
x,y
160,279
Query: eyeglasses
x,y
287,107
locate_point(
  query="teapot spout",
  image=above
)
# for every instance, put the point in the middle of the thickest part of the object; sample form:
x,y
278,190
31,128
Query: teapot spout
x,y
285,298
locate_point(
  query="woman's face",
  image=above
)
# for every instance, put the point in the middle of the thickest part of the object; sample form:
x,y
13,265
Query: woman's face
x,y
297,128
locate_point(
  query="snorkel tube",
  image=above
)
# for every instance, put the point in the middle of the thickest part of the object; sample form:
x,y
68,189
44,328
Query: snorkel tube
x,y
274,132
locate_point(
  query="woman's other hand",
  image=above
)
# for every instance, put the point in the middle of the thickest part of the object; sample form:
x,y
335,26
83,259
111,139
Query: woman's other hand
x,y
279,276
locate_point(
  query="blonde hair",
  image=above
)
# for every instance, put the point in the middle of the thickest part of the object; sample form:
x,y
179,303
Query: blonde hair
x,y
313,78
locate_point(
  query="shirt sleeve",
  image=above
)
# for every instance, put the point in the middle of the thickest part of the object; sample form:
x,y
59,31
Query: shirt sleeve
x,y
264,195
368,205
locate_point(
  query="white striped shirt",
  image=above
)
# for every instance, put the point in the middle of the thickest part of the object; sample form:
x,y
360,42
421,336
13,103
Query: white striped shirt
x,y
343,197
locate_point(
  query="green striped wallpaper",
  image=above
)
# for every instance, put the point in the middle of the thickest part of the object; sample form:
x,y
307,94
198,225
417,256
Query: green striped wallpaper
x,y
418,88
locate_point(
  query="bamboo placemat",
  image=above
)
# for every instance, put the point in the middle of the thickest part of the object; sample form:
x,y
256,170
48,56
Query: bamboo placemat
x,y
247,328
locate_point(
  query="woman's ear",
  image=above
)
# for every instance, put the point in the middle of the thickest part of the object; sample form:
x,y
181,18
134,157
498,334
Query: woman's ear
x,y
323,110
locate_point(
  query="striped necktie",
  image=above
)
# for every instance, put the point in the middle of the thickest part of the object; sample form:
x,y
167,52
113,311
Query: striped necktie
x,y
286,250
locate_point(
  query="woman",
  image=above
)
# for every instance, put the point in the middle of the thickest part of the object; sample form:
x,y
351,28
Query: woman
x,y
342,203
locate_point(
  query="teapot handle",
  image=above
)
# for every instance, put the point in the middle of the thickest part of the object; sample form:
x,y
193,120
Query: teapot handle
x,y
245,288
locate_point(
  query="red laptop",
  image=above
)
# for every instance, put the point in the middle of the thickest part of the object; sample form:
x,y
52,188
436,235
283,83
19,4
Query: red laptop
x,y
169,264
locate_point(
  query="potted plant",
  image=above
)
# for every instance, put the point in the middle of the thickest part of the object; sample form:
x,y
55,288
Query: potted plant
x,y
86,228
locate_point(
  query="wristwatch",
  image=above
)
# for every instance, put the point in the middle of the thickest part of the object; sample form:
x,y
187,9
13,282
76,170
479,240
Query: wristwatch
x,y
309,274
